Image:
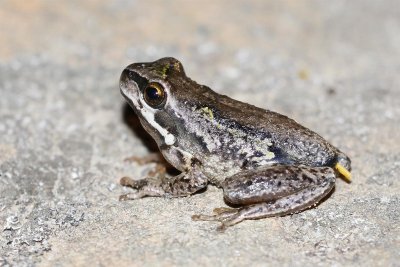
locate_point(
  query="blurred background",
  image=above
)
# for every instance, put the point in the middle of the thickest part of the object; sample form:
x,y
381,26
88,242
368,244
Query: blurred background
x,y
310,34
65,130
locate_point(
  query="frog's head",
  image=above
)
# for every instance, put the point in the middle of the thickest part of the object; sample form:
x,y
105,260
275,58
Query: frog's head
x,y
151,89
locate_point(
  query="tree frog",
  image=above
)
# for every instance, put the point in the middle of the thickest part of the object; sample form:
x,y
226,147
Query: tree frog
x,y
266,163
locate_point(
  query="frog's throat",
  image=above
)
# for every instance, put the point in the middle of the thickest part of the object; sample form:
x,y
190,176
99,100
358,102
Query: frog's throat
x,y
169,139
343,171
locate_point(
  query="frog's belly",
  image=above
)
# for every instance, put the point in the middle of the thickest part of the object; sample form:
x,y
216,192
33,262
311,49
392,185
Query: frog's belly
x,y
218,169
215,168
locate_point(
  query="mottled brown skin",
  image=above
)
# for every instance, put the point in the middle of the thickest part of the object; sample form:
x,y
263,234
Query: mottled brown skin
x,y
264,161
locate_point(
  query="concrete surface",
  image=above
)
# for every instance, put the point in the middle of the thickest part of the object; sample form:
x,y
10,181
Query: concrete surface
x,y
65,130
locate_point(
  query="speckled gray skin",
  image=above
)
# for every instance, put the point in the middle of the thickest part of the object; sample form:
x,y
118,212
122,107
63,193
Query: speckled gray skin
x,y
264,161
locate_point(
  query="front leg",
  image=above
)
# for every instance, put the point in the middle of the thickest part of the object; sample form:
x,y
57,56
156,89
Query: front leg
x,y
272,191
183,184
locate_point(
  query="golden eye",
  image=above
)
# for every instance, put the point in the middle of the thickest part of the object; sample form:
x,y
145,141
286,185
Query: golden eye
x,y
154,95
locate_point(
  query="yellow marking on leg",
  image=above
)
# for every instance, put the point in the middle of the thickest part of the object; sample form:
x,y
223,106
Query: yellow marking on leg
x,y
343,171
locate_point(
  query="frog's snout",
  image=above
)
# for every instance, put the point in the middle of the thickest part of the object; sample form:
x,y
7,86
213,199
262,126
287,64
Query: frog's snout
x,y
127,82
123,84
124,76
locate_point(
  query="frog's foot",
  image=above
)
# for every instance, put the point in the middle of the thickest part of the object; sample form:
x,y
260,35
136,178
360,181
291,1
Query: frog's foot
x,y
143,188
224,215
272,191
223,210
183,184
219,214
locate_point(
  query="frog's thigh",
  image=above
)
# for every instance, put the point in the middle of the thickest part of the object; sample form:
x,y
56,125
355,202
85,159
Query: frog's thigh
x,y
274,191
272,183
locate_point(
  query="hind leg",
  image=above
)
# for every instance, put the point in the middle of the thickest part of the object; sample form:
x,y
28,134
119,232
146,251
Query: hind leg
x,y
272,191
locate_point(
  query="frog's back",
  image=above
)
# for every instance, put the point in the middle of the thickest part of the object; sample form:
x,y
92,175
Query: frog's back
x,y
291,141
257,136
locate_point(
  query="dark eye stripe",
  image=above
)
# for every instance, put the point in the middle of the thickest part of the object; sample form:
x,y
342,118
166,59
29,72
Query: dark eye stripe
x,y
141,81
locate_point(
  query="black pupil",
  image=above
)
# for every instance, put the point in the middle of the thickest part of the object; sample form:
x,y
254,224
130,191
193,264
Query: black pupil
x,y
153,93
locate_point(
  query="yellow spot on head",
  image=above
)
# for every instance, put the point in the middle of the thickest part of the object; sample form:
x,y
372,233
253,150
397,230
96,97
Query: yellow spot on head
x,y
343,171
162,70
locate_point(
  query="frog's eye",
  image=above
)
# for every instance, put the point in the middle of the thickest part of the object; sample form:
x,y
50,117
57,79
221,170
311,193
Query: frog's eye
x,y
154,95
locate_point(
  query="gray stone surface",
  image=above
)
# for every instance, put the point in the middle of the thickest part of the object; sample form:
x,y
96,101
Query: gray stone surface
x,y
65,130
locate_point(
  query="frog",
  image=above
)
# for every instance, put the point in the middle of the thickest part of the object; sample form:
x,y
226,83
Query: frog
x,y
266,164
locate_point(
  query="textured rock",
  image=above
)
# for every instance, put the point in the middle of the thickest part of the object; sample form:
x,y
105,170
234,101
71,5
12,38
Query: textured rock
x,y
65,130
